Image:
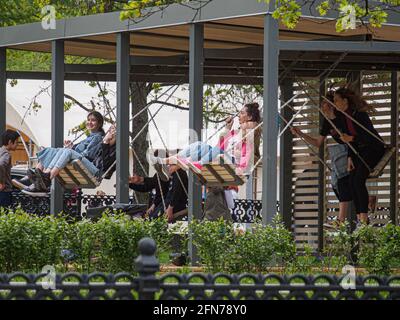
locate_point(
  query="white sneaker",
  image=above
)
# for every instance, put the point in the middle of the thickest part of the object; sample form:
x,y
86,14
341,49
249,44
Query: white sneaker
x,y
153,160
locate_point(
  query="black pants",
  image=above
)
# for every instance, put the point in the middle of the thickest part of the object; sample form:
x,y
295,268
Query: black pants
x,y
343,191
358,177
5,199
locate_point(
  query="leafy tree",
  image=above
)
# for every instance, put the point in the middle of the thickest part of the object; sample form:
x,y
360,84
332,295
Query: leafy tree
x,y
374,13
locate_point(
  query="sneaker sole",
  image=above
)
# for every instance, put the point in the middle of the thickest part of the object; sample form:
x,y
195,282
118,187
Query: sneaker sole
x,y
327,226
35,194
18,184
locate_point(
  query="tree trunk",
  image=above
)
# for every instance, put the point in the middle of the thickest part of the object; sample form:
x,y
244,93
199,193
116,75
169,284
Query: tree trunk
x,y
139,92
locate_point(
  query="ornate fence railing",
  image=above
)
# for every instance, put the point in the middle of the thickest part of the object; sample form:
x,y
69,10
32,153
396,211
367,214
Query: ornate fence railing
x,y
245,211
146,285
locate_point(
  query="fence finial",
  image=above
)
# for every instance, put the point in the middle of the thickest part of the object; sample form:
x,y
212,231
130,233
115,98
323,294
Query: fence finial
x,y
147,265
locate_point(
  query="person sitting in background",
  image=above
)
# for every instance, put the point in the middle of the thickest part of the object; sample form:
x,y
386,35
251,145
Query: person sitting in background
x,y
148,184
53,160
9,142
177,196
216,204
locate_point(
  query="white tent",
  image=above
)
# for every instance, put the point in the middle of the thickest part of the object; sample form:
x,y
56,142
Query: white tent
x,y
15,120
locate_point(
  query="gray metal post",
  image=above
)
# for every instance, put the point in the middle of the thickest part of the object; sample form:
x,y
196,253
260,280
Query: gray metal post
x,y
321,180
57,117
196,72
3,89
394,140
270,118
286,153
123,42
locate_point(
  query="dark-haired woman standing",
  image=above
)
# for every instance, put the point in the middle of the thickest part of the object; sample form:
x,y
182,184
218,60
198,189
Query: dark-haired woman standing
x,y
338,155
369,146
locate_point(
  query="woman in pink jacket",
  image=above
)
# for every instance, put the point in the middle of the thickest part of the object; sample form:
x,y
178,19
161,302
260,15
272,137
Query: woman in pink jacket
x,y
239,147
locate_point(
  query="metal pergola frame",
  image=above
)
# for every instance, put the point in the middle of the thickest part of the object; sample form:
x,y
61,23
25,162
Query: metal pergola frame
x,y
252,65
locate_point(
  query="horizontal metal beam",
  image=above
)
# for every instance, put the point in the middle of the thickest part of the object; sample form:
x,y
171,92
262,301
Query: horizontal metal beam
x,y
107,23
340,46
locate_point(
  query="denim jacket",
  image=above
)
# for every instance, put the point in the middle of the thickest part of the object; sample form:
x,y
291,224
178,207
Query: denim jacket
x,y
90,146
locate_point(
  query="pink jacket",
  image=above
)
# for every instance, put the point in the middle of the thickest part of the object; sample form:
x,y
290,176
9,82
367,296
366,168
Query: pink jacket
x,y
242,150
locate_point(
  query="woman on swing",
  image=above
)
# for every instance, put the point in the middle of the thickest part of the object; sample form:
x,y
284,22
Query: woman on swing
x,y
338,155
369,146
351,108
52,160
237,145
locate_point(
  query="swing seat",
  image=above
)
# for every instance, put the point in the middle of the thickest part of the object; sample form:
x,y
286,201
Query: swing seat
x,y
76,175
378,170
218,174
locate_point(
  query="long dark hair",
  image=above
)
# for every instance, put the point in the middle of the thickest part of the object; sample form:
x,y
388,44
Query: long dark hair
x,y
253,111
354,100
100,119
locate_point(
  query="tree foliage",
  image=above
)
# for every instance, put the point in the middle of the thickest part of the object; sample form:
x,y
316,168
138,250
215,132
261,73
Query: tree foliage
x,y
365,12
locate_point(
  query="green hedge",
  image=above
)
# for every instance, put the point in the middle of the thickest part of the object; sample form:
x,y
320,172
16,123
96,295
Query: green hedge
x,y
28,242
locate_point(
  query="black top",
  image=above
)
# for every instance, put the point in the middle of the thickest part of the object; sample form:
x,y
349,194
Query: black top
x,y
105,158
151,183
363,140
327,129
177,195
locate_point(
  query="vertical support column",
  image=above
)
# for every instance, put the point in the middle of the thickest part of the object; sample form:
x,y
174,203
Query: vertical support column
x,y
123,67
286,153
57,117
270,119
196,72
3,89
322,178
394,141
355,80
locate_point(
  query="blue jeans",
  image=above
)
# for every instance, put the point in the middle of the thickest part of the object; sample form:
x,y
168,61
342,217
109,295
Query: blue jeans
x,y
201,151
59,158
5,199
338,154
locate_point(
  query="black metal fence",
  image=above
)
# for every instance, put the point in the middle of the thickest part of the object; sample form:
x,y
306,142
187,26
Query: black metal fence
x,y
246,211
147,285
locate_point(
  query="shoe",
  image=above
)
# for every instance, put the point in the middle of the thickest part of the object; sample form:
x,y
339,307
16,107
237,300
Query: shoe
x,y
42,180
178,259
333,225
35,192
154,160
25,181
162,171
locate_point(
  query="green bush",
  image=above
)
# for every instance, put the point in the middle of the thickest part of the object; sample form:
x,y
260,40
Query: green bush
x,y
29,242
379,248
222,248
81,245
